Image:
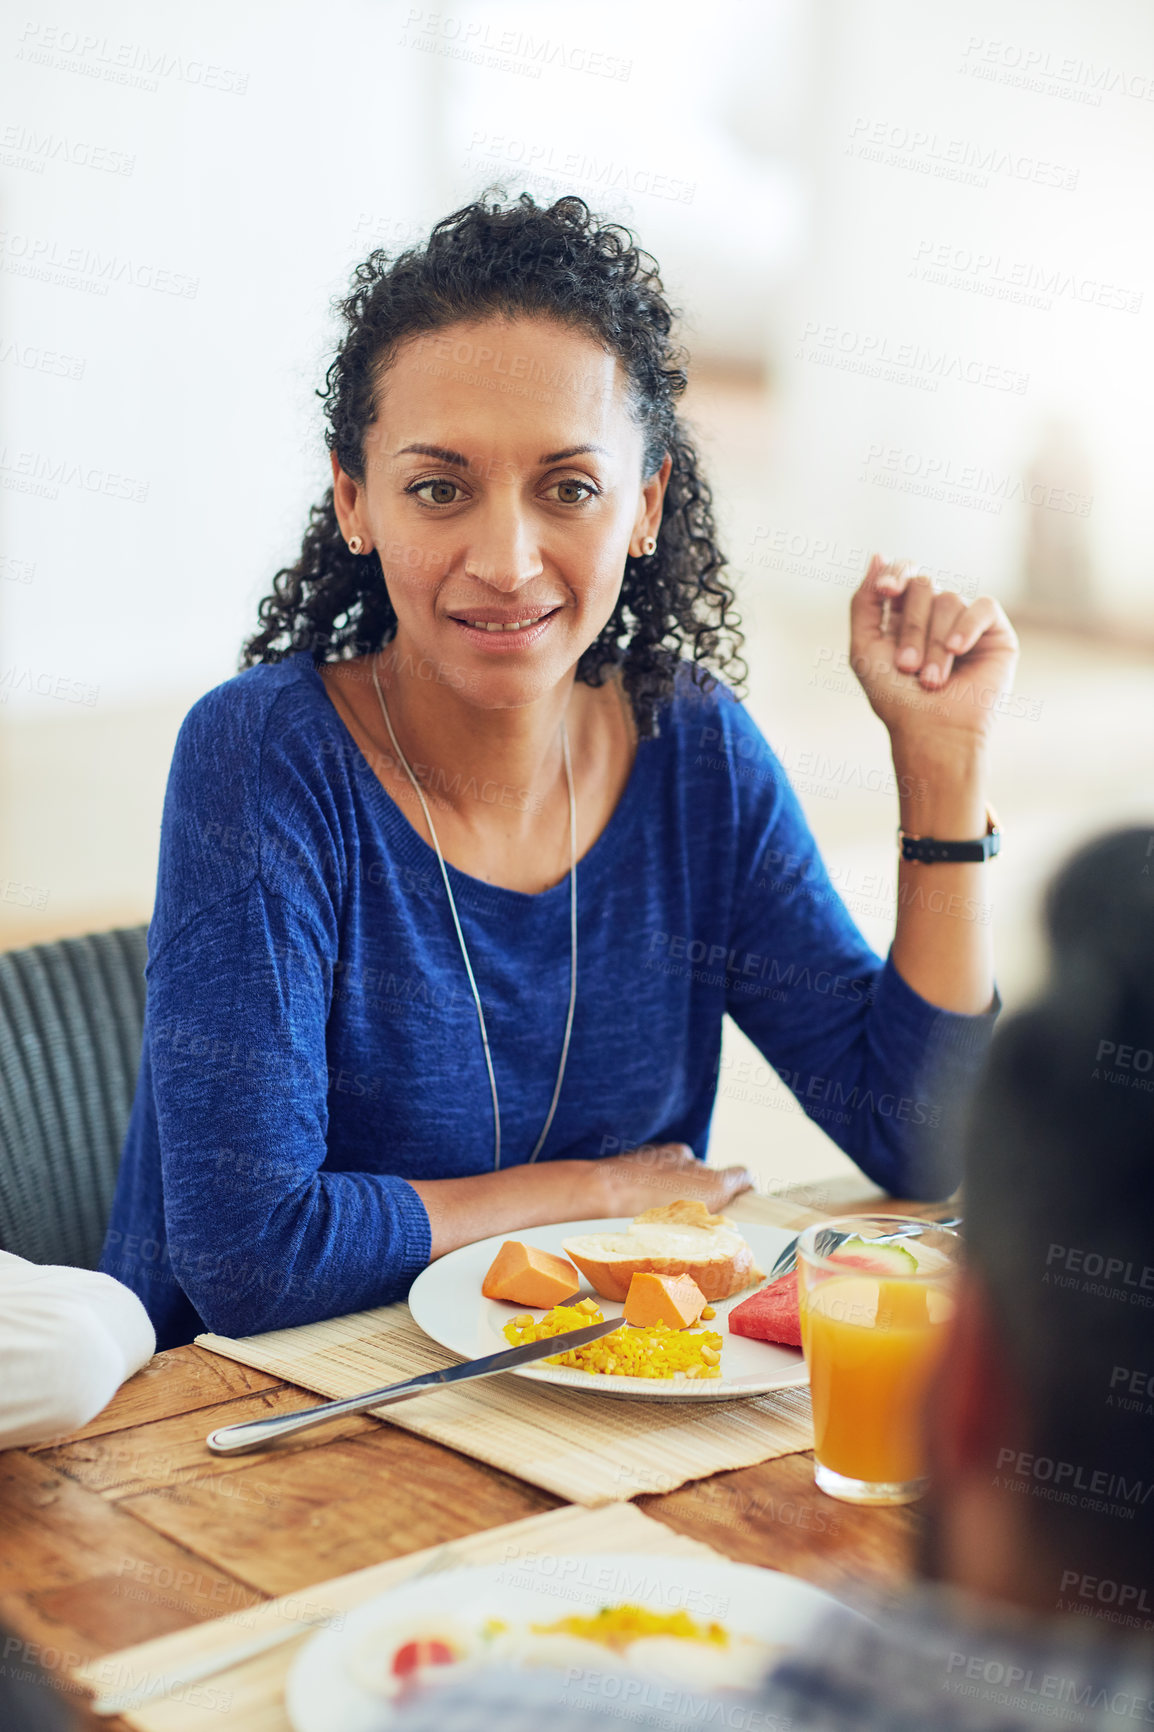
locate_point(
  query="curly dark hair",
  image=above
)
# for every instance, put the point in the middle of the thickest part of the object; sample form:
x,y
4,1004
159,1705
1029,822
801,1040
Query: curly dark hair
x,y
498,257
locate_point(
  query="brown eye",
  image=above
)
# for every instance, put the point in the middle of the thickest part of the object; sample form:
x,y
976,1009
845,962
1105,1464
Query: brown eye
x,y
573,492
443,491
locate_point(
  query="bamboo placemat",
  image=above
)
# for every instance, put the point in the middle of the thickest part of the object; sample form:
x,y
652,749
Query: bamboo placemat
x,y
252,1695
583,1450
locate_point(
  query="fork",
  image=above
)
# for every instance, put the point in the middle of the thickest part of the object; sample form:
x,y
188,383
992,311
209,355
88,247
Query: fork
x,y
830,1238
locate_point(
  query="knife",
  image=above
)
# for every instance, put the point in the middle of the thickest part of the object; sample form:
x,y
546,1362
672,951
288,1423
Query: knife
x,y
255,1434
831,1238
191,1671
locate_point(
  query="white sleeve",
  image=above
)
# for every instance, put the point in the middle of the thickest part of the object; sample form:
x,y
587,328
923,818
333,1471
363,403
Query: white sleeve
x,y
68,1340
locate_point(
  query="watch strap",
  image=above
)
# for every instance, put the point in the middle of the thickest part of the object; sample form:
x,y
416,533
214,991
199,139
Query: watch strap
x,y
929,851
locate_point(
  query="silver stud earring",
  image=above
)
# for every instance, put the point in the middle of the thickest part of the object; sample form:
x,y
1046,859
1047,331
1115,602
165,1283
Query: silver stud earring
x,y
649,546
356,545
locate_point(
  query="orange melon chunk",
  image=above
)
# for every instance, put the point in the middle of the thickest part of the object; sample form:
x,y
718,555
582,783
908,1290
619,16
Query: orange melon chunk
x,y
526,1276
675,1300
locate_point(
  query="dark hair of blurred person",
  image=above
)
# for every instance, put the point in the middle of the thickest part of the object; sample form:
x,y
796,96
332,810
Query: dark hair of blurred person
x,y
29,1701
1044,1436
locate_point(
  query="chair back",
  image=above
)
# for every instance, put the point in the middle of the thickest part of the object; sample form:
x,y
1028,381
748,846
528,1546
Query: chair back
x,y
71,1022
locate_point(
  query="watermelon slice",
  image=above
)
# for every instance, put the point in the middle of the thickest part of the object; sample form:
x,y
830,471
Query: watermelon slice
x,y
873,1258
770,1314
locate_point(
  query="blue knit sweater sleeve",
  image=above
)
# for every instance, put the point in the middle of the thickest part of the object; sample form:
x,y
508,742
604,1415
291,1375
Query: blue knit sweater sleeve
x,y
879,1068
241,955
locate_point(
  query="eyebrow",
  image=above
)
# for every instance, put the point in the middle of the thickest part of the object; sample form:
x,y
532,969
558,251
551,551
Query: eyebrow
x,y
458,461
438,451
572,451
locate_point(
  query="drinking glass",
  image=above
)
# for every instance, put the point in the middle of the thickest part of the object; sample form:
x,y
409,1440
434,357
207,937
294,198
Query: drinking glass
x,y
875,1312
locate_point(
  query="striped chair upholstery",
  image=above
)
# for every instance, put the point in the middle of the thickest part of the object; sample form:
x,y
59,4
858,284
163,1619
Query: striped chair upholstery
x,y
71,1019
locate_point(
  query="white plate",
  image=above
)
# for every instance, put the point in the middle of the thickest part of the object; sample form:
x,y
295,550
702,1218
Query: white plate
x,y
447,1303
322,1691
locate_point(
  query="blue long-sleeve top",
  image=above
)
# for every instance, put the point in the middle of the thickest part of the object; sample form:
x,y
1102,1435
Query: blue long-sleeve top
x,y
311,1043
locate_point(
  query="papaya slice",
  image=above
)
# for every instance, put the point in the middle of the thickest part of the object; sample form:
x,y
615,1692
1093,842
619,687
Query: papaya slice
x,y
675,1300
524,1275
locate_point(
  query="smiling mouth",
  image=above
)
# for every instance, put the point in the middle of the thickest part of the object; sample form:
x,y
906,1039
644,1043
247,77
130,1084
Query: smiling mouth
x,y
500,625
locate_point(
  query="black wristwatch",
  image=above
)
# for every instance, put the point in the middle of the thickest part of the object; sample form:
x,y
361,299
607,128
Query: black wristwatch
x,y
930,852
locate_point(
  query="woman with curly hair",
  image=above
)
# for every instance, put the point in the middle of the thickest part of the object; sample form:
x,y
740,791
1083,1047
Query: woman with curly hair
x,y
460,874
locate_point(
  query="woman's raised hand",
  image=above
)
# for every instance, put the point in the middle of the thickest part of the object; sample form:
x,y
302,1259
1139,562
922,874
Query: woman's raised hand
x,y
658,1173
935,668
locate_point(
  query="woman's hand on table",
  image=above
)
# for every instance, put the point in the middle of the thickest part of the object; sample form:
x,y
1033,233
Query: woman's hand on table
x,y
658,1173
461,1211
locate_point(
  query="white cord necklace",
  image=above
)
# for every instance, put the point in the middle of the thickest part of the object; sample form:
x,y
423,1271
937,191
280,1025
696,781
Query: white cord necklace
x,y
461,936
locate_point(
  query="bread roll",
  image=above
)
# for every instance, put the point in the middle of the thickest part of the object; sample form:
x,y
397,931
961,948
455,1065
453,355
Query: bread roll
x,y
680,1238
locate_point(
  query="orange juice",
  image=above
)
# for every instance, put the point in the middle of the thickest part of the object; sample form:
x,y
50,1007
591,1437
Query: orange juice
x,y
871,1342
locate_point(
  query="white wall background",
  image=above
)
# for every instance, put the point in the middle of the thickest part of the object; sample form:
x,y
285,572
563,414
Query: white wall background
x,y
791,164
185,190
979,175
233,207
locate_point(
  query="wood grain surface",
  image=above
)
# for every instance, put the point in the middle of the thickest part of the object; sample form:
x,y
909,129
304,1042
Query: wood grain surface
x,y
129,1528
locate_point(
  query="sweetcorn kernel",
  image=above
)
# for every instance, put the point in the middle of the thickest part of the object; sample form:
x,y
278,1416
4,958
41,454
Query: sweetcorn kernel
x,y
618,1626
708,1314
652,1351
523,1320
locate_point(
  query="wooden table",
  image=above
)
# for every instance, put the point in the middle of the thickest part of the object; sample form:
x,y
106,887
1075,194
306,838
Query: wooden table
x,y
129,1529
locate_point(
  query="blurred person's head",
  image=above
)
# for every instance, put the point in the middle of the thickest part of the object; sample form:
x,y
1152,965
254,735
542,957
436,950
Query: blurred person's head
x,y
1042,1418
29,1699
505,441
